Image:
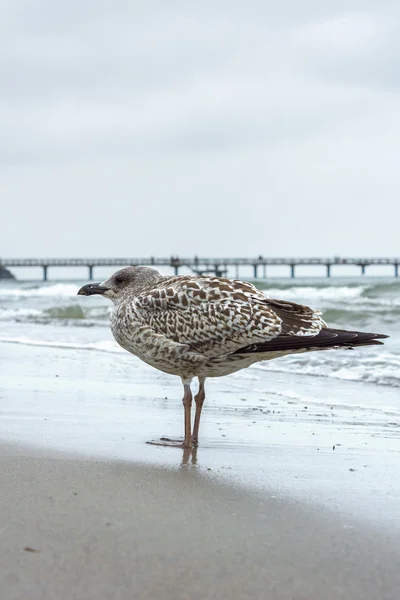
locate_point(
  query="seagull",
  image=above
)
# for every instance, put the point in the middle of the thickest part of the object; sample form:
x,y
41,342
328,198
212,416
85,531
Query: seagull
x,y
201,326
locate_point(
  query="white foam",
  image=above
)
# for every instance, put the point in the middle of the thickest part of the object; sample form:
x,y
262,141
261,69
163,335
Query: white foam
x,y
315,293
90,315
57,290
101,346
19,313
383,369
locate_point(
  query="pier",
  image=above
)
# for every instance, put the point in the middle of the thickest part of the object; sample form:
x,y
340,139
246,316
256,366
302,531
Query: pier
x,y
203,266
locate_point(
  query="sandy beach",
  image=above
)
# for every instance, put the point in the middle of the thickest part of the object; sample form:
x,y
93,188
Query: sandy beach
x,y
266,508
75,528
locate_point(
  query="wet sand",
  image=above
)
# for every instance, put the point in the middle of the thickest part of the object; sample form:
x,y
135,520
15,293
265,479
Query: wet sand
x,y
74,528
335,447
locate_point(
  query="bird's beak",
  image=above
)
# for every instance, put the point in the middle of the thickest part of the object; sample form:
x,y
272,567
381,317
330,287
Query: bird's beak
x,y
92,288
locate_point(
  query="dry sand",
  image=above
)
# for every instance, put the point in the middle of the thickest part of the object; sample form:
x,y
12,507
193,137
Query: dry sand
x,y
74,528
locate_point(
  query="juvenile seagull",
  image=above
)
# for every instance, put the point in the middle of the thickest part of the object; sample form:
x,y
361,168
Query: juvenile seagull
x,y
195,326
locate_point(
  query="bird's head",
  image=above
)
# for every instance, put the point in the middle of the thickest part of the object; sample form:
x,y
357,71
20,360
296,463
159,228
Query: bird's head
x,y
125,282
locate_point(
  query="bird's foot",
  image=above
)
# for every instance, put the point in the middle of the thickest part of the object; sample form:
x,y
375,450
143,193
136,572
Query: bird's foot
x,y
173,443
194,442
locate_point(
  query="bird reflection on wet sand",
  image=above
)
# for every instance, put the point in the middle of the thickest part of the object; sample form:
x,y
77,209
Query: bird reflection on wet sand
x,y
189,457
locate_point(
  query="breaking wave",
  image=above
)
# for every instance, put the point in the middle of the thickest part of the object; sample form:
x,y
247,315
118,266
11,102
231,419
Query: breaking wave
x,y
71,312
316,293
317,289
382,369
57,290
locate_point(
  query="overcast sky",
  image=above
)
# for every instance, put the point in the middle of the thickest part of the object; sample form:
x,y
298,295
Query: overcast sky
x,y
210,128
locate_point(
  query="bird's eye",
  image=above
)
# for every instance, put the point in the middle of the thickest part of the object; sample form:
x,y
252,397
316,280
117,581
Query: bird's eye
x,y
119,280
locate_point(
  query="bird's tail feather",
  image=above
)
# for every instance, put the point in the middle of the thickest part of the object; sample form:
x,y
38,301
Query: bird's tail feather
x,y
326,338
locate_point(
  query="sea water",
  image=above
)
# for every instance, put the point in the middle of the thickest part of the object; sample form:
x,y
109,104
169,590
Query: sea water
x,y
52,314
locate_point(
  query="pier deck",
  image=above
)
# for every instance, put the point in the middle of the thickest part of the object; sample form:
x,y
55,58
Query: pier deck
x,y
199,265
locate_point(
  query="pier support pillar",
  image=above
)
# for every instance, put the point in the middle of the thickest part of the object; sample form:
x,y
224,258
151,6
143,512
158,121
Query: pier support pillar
x,y
328,270
237,271
292,271
264,271
175,263
44,272
90,272
255,271
396,270
362,269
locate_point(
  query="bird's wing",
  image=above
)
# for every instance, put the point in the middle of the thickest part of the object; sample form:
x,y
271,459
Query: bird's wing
x,y
216,316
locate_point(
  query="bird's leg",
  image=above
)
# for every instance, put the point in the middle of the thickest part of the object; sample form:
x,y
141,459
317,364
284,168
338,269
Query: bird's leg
x,y
187,405
199,399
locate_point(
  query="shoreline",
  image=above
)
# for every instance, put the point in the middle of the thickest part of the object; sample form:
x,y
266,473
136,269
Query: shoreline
x,y
319,446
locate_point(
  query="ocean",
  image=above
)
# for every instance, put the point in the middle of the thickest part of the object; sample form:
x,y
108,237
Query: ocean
x,y
51,314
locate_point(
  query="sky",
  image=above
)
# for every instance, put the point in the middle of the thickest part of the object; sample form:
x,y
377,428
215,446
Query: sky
x,y
217,128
